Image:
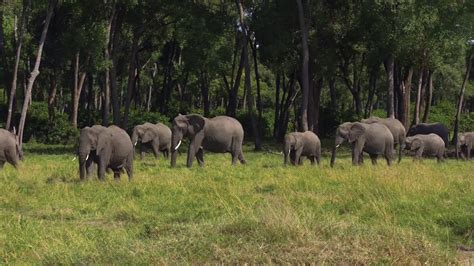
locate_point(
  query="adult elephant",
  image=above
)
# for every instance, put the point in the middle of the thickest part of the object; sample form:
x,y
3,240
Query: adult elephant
x,y
375,139
299,144
396,128
154,136
465,144
87,149
428,128
115,152
219,134
10,150
430,144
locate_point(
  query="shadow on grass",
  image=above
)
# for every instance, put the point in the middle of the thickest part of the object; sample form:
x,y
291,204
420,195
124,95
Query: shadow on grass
x,y
48,149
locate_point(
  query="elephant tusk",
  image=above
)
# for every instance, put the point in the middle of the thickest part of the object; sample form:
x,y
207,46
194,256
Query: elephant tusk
x,y
337,146
177,146
135,143
289,151
75,157
87,157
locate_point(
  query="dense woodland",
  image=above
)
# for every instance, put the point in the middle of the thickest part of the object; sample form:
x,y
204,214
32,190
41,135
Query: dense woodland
x,y
277,66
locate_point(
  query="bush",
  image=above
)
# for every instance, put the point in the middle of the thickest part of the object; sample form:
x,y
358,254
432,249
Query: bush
x,y
39,129
139,117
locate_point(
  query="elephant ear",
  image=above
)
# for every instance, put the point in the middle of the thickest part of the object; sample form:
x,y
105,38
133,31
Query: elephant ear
x,y
416,144
356,131
196,123
103,142
298,142
148,136
462,138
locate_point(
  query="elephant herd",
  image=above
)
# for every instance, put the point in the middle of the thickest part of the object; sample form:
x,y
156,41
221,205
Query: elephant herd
x,y
111,148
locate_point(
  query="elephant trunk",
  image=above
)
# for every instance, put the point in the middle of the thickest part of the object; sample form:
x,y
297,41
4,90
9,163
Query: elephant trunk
x,y
134,138
286,152
176,139
82,165
333,156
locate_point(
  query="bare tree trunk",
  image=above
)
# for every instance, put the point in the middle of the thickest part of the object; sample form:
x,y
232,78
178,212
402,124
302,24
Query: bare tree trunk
x,y
131,75
304,66
35,72
429,97
418,97
11,97
204,83
115,31
460,102
52,97
247,84
76,92
106,88
407,92
318,84
276,125
3,56
372,90
233,93
332,92
257,79
389,67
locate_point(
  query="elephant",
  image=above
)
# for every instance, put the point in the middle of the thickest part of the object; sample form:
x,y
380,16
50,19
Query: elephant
x,y
10,149
430,144
375,139
299,144
219,134
115,152
157,136
87,149
465,143
396,128
427,128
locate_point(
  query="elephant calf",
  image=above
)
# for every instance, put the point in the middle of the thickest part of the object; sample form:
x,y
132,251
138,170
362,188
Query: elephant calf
x,y
156,136
466,144
430,144
10,150
115,152
299,144
427,128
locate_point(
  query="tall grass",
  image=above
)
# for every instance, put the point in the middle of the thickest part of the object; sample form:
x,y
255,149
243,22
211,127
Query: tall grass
x,y
260,212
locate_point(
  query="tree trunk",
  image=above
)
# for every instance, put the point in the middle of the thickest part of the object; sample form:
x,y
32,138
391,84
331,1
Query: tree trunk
x,y
317,103
389,67
247,84
204,83
131,75
35,72
76,92
3,56
52,97
276,125
233,93
11,97
106,86
371,92
115,31
304,66
407,92
257,80
332,93
460,102
429,97
418,97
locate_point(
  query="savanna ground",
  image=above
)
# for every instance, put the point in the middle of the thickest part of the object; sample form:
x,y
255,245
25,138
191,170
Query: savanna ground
x,y
259,212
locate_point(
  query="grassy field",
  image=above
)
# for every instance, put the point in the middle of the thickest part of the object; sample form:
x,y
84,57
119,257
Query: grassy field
x,y
261,212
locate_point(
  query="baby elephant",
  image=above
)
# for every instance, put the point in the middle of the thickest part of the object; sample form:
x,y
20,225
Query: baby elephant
x,y
430,144
466,144
299,144
10,150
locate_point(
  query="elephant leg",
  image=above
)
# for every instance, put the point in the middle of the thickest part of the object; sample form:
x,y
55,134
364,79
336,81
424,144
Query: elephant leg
x,y
419,153
142,151
318,159
129,167
166,153
312,160
101,170
89,167
469,148
298,153
2,163
401,147
357,153
117,175
374,157
200,157
156,150
241,157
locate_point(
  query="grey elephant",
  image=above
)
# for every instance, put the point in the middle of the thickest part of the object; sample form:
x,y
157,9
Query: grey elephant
x,y
154,136
299,144
428,128
396,128
115,152
10,150
430,144
465,144
219,134
374,139
87,149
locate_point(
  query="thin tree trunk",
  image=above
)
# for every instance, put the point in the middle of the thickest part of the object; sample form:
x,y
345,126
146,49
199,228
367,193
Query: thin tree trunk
x,y
460,102
52,96
247,84
233,93
204,83
276,125
11,97
332,93
106,87
429,97
418,97
317,103
113,70
304,66
35,72
371,92
131,75
3,56
76,93
389,67
407,92
257,80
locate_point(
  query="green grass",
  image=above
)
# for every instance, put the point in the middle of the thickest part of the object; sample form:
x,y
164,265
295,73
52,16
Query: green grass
x,y
260,212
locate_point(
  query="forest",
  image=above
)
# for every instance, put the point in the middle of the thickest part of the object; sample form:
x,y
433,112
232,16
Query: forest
x,y
277,66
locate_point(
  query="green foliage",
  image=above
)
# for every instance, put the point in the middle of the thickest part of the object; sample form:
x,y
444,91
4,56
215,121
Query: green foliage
x,y
137,117
39,129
